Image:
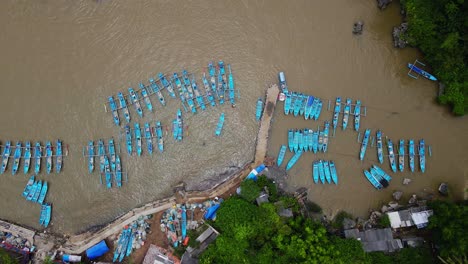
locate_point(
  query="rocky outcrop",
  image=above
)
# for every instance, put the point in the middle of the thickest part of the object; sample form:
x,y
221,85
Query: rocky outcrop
x,y
398,36
358,27
397,195
443,189
382,4
406,181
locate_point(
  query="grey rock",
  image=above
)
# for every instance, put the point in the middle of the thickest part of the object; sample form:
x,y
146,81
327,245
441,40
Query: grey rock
x,y
397,195
398,33
348,223
358,27
406,181
393,204
384,209
382,4
443,189
413,199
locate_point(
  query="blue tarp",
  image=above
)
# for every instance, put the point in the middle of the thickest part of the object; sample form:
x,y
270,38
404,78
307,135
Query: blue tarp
x,y
97,250
253,174
211,212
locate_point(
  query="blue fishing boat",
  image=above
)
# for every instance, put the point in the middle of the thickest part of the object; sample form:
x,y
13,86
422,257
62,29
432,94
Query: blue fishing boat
x,y
159,134
422,72
90,156
303,104
208,93
313,108
320,141
310,142
5,156
135,101
326,168
287,103
138,143
122,248
296,140
180,88
113,107
32,191
401,155
166,84
43,214
297,105
281,153
222,72
48,215
37,157
27,157
180,125
37,192
184,222
291,140
379,177
326,136
305,139
422,155
293,102
119,246
16,158
43,193
382,173
149,138
318,109
220,88
258,111
346,111
198,95
336,112
187,88
411,154
334,175
154,86
232,95
107,172
111,147
118,172
220,125
372,180
315,139
379,146
128,138
308,108
28,187
365,141
357,115
282,83
101,153
58,156
293,160
315,171
212,73
130,244
321,171
391,155
146,99
123,106
299,140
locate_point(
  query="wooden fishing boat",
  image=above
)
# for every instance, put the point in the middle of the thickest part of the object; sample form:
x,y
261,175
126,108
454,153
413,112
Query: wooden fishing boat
x,y
154,86
315,139
123,106
29,185
90,156
422,72
149,138
128,139
291,140
27,157
212,73
180,125
325,136
43,193
222,72
166,84
43,214
315,171
58,156
187,88
334,175
326,168
118,247
282,83
296,140
305,140
130,244
336,112
48,215
293,160
313,108
184,222
37,157
401,155
180,88
378,177
220,125
318,109
113,107
365,141
321,171
372,180
208,93
111,147
146,99
138,142
346,111
107,172
297,104
422,155
16,158
287,104
159,134
118,172
32,191
102,154
300,140
232,95
198,95
37,193
382,173
308,107
281,154
220,88
411,154
259,108
357,115
310,143
391,155
320,141
135,101
379,146
5,156
303,105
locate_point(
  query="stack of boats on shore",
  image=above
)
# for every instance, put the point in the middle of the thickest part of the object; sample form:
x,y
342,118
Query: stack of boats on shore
x,y
36,191
218,82
32,156
132,236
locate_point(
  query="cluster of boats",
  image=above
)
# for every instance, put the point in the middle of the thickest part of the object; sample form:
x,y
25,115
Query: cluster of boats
x,y
377,177
108,165
347,111
34,154
217,84
325,171
124,243
147,134
36,191
174,223
309,140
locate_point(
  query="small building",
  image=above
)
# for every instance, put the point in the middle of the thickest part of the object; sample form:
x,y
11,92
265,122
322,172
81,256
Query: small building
x,y
416,216
158,255
375,239
191,254
263,198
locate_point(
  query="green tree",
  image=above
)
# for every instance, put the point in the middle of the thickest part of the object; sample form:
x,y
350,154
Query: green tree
x,y
249,190
5,258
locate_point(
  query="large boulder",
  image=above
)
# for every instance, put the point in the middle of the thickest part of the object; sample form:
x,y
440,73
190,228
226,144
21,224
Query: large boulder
x,y
443,189
348,223
358,27
406,181
382,4
398,36
413,199
397,195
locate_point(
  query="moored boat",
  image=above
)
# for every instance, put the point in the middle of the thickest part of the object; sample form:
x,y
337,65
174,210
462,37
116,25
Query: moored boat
x,y
325,136
32,191
379,146
258,110
287,104
310,143
422,155
208,93
37,193
220,88
357,115
16,158
220,125
305,139
135,101
43,214
333,172
293,160
184,222
346,111
232,95
118,172
378,177
372,180
111,147
326,168
27,157
281,153
297,105
58,156
222,73
128,139
315,140
102,154
146,99
29,185
167,84
336,112
138,143
320,141
308,107
401,155
123,106
296,140
303,105
157,91
321,171
48,215
411,154
119,246
113,107
282,83
149,138
48,153
90,156
365,141
43,193
187,88
391,155
107,172
291,140
198,95
180,125
318,110
37,157
212,73
180,88
159,134
315,171
382,173
422,72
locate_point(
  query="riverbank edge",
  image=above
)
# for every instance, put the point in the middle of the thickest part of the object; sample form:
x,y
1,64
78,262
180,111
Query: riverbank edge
x,y
79,243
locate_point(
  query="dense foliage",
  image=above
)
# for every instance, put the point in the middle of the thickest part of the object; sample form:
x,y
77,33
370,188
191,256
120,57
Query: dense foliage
x,y
5,258
440,29
449,225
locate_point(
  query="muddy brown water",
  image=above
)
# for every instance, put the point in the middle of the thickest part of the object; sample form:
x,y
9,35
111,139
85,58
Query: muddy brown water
x,y
61,59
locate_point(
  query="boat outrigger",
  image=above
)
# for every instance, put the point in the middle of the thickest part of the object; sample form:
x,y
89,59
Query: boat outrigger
x,y
220,125
113,107
16,158
90,156
365,141
411,154
37,157
59,156
27,157
159,134
123,106
5,156
281,153
166,84
135,101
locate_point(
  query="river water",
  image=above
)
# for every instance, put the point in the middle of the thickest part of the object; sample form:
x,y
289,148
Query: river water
x,y
61,59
